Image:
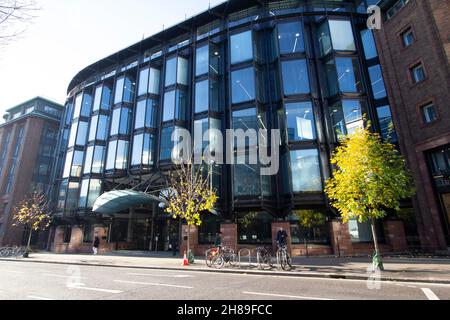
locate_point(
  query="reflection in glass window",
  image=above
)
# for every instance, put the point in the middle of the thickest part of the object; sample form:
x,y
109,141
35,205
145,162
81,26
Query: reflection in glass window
x,y
241,47
88,161
243,85
122,155
201,96
342,35
83,193
348,75
146,114
370,49
129,89
140,114
97,98
143,153
300,122
72,196
182,73
136,157
305,168
247,179
121,121
93,128
111,158
318,234
169,106
98,159
200,127
89,193
119,90
143,81
290,37
68,164
202,60
386,123
77,164
377,81
171,71
73,135
323,34
295,77
245,119
166,144
77,110
255,228
106,98
82,133
362,232
346,117
102,130
153,82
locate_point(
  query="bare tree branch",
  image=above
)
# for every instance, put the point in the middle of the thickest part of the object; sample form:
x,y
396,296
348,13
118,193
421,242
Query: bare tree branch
x,y
15,16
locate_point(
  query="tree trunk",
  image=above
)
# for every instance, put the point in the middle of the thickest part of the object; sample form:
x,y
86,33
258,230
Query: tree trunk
x,y
375,237
188,240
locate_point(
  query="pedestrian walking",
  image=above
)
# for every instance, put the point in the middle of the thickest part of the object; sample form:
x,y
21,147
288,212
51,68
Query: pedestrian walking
x,y
96,245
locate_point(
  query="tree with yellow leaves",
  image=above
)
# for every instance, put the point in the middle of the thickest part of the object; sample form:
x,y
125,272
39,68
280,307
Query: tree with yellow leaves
x,y
189,194
370,178
33,212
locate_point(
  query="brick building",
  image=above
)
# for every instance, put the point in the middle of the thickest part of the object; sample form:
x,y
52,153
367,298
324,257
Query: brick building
x,y
414,50
28,140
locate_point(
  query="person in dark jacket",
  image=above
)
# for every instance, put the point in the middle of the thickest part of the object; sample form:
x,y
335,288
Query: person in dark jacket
x,y
218,242
281,238
96,245
174,246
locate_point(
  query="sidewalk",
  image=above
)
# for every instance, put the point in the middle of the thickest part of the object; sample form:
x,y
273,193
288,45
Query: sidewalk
x,y
397,269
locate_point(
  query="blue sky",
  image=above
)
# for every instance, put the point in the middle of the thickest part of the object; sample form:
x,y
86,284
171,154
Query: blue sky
x,y
68,35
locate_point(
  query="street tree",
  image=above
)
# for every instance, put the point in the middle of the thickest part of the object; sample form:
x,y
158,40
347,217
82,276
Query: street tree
x,y
370,178
14,16
34,213
189,195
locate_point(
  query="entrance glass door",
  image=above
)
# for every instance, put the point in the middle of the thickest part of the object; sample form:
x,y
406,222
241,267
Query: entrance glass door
x,y
445,198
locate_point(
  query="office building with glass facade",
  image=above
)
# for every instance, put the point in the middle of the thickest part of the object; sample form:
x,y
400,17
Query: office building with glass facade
x,y
28,141
308,68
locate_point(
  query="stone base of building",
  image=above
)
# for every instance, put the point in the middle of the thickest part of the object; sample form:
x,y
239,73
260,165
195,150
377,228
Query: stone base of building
x,y
341,242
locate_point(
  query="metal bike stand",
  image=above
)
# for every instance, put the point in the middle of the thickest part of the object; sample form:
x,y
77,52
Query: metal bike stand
x,y
249,256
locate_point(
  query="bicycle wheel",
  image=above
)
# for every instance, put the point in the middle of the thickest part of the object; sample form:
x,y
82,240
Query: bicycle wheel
x,y
234,260
218,262
6,252
208,258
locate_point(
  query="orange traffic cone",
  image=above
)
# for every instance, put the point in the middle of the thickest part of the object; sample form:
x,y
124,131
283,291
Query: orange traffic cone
x,y
185,260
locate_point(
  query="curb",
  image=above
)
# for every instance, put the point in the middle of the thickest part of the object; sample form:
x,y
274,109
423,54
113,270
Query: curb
x,y
243,272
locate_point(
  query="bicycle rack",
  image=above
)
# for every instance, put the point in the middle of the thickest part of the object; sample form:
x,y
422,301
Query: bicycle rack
x,y
240,254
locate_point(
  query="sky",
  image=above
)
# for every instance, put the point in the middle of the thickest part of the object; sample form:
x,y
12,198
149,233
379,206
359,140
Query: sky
x,y
68,35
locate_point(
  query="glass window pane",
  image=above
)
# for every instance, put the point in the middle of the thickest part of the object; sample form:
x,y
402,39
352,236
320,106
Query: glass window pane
x,y
129,89
342,35
125,121
106,98
119,90
73,134
200,127
147,151
78,101
110,161
102,130
247,180
151,113
94,192
93,128
243,85
97,98
370,49
377,81
68,164
143,81
171,71
82,133
181,105
166,144
140,114
323,34
201,96
77,164
306,175
97,162
115,122
300,121
88,161
72,196
83,193
136,159
122,155
295,77
290,37
182,73
169,106
202,60
386,123
241,47
153,83
348,75
346,117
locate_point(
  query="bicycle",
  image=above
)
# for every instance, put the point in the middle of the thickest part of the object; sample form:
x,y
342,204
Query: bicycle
x,y
264,257
210,254
283,258
8,252
225,255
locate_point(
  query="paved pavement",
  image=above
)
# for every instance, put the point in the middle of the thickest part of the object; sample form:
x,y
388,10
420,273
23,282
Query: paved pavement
x,y
49,281
397,269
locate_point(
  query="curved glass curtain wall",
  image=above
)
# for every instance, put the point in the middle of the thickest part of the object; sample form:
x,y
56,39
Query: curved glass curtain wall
x,y
313,77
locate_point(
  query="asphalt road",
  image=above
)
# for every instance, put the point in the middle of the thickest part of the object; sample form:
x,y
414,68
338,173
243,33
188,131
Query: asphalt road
x,y
35,281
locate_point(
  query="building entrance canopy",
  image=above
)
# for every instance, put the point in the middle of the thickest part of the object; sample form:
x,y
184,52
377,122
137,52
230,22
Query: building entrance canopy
x,y
120,200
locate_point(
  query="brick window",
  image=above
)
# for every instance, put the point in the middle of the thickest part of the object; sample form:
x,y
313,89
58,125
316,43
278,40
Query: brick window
x,y
429,113
408,37
417,73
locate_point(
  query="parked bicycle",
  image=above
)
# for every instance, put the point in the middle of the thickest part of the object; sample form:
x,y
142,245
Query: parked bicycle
x,y
283,258
225,255
264,257
9,252
210,254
